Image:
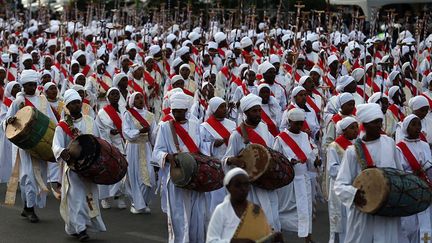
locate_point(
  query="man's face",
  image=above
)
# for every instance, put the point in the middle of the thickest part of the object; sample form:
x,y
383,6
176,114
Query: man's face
x,y
253,115
179,114
74,107
30,88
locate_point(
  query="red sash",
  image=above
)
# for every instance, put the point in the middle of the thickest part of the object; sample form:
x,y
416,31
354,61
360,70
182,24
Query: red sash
x,y
115,117
293,146
270,124
343,142
10,76
411,87
167,118
184,136
61,69
219,128
225,71
428,99
368,157
254,137
66,129
396,112
28,103
56,114
423,137
329,83
288,68
101,82
7,102
150,80
245,90
413,162
312,104
336,118
86,101
361,92
137,116
86,70
135,86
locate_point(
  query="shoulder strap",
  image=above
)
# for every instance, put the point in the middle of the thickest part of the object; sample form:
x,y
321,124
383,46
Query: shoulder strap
x,y
174,135
244,134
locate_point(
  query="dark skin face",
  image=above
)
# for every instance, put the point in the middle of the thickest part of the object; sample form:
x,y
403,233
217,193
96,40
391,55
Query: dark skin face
x,y
178,84
139,73
351,87
277,66
265,95
28,64
300,98
30,88
269,76
430,86
81,80
373,129
100,69
139,101
221,112
399,98
123,83
82,60
149,65
239,187
45,79
125,64
384,105
35,57
300,63
414,128
295,126
348,108
422,112
2,74
253,115
179,114
309,85
208,92
74,108
132,54
185,72
114,97
334,66
75,69
82,94
352,131
16,88
51,92
251,77
315,78
212,79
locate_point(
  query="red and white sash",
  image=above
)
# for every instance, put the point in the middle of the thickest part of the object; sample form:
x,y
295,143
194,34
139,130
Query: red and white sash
x,y
269,122
301,156
219,128
254,137
139,118
413,162
185,137
115,118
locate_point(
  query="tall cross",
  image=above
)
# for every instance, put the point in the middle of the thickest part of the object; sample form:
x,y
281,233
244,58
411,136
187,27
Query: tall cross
x,y
426,238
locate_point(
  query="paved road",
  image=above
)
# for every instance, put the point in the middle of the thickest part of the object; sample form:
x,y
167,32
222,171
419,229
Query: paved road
x,y
122,226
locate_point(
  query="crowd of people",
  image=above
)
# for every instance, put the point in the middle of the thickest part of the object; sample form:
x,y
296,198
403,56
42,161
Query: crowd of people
x,y
153,92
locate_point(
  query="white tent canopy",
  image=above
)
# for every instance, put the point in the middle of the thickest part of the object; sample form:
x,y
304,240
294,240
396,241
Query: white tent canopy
x,y
367,5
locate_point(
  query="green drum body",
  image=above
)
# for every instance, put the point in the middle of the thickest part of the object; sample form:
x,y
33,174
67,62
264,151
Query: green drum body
x,y
34,132
393,193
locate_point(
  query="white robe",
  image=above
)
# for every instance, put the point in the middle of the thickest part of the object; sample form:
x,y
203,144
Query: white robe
x,y
138,191
362,227
105,125
7,149
414,227
223,223
74,207
186,209
266,199
295,199
31,193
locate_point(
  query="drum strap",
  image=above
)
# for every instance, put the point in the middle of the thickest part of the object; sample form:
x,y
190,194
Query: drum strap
x,y
293,146
185,137
270,123
363,155
413,162
250,135
12,185
174,135
38,174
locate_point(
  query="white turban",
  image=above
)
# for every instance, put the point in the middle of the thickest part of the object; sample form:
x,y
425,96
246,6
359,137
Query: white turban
x,y
111,90
52,42
405,66
344,123
212,45
13,49
77,87
219,37
369,112
186,65
265,66
297,90
5,58
214,104
9,87
274,59
406,123
171,37
180,101
29,76
418,102
131,46
78,54
317,70
71,95
176,62
48,85
392,91
183,50
343,82
263,85
332,59
154,49
117,78
376,96
358,74
148,58
233,173
176,78
245,42
392,76
303,80
26,57
249,101
344,98
132,99
295,115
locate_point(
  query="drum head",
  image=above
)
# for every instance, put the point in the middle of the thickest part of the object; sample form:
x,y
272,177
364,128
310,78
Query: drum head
x,y
376,187
181,174
84,150
257,159
23,118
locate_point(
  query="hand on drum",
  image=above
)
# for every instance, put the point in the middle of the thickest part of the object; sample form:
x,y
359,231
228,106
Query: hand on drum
x,y
218,143
170,158
236,161
114,132
65,155
11,120
359,198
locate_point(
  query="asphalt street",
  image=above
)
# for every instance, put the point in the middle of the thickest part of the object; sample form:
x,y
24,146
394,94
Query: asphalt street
x,y
122,226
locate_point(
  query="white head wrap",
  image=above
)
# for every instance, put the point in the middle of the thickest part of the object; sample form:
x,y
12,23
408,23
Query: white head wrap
x,y
183,50
117,78
154,49
26,57
176,78
274,59
296,114
265,66
263,85
186,65
303,80
406,123
71,95
249,101
214,104
358,74
9,87
376,96
369,112
344,123
418,102
132,99
392,76
219,37
343,82
28,76
233,173
48,84
332,59
77,87
297,90
392,91
344,98
245,42
180,100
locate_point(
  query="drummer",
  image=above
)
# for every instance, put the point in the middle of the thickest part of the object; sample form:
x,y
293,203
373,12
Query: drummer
x,y
362,227
295,199
33,186
79,205
415,156
258,134
183,205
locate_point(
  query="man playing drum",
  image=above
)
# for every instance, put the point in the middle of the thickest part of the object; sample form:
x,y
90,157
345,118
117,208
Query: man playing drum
x,y
187,217
79,205
362,227
257,133
33,172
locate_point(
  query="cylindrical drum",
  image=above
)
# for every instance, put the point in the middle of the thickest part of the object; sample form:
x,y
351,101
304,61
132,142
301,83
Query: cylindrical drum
x,y
391,192
97,160
34,132
197,172
267,168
